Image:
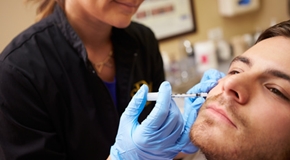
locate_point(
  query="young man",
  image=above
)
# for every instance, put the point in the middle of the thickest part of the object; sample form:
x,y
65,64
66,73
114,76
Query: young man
x,y
247,115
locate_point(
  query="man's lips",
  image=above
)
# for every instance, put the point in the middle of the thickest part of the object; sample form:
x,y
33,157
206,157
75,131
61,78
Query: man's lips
x,y
221,114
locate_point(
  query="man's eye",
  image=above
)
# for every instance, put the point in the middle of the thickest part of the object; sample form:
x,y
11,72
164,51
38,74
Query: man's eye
x,y
278,93
233,72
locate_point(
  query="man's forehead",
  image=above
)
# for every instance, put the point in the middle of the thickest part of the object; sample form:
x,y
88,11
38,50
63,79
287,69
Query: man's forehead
x,y
272,50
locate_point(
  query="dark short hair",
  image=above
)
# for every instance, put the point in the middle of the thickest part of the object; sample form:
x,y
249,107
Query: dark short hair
x,y
280,29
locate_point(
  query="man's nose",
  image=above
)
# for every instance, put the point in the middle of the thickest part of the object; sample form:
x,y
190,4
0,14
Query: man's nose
x,y
238,87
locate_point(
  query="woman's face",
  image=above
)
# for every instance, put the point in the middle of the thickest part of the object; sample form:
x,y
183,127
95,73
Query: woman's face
x,y
117,13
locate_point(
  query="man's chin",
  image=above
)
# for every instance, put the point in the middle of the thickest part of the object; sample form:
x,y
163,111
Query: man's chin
x,y
199,133
202,135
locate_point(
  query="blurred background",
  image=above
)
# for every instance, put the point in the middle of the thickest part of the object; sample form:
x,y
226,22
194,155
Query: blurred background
x,y
222,30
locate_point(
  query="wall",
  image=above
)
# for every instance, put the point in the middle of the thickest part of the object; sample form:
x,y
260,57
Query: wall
x,y
15,17
208,17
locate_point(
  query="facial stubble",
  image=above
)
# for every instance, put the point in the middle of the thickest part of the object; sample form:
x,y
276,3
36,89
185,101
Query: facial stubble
x,y
241,144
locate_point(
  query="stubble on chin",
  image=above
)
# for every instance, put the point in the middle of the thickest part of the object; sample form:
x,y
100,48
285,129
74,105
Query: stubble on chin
x,y
248,144
203,134
200,129
201,137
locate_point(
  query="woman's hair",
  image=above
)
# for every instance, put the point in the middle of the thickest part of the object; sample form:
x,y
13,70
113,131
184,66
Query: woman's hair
x,y
45,7
280,29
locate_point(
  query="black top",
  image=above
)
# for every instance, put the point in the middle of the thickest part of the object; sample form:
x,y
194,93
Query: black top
x,y
54,106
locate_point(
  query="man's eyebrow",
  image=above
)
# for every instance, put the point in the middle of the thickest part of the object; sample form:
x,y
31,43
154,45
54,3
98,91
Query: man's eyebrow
x,y
242,59
273,72
278,74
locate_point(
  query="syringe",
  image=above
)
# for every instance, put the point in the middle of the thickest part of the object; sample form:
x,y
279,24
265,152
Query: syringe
x,y
152,96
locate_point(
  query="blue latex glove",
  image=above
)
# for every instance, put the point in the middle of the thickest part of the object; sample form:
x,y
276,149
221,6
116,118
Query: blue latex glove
x,y
159,137
192,105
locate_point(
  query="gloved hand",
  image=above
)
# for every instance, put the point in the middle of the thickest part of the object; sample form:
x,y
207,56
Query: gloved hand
x,y
159,137
192,104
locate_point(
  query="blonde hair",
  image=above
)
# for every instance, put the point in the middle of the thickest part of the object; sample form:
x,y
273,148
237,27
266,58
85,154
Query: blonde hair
x,y
45,7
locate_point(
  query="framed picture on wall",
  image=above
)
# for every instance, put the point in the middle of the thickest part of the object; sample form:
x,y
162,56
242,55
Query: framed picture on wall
x,y
167,18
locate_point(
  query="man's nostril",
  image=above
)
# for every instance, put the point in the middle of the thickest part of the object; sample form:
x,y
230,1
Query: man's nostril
x,y
237,95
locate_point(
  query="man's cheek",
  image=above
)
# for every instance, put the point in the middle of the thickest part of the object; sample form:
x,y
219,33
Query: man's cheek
x,y
215,90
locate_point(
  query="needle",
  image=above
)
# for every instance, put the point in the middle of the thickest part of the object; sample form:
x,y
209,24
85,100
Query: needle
x,y
152,96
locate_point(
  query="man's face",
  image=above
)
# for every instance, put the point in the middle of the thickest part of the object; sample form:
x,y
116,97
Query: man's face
x,y
247,115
